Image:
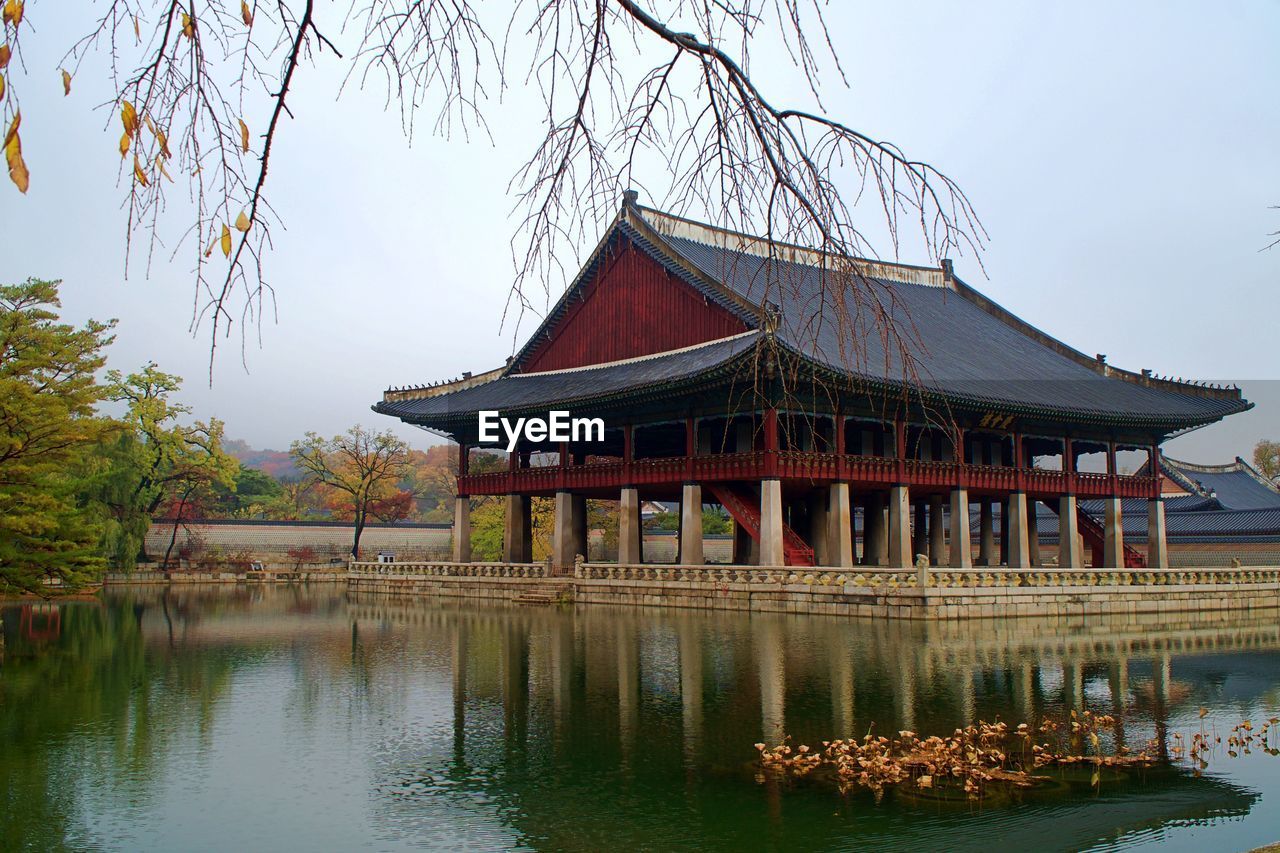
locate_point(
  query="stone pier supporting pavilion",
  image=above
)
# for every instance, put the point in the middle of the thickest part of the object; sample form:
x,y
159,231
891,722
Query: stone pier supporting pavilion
x,y
462,529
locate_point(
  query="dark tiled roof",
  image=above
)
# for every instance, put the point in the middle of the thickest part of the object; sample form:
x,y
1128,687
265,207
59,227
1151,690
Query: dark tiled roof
x,y
535,390
1235,485
960,348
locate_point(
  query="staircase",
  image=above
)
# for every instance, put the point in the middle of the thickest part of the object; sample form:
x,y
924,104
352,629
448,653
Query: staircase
x,y
543,595
1095,536
745,510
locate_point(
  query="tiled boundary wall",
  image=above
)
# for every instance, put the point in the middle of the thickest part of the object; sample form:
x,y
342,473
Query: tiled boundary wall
x,y
270,541
882,594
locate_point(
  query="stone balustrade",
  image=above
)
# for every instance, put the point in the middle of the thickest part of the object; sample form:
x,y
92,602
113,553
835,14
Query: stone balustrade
x,y
994,577
454,570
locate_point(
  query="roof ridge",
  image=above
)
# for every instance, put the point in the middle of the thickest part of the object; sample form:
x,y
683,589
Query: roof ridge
x,y
636,358
670,225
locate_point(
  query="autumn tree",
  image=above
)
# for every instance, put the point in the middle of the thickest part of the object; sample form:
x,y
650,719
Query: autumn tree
x,y
48,425
363,466
658,94
156,459
1266,458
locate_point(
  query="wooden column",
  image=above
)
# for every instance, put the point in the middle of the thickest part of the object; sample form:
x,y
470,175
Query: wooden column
x,y
464,459
771,448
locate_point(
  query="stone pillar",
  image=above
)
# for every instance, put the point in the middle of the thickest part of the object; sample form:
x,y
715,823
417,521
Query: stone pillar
x,y
1157,541
899,528
937,532
818,524
839,527
1015,530
920,532
1113,540
771,553
691,525
986,533
517,538
579,527
961,548
1070,550
462,529
562,534
1033,533
874,540
629,528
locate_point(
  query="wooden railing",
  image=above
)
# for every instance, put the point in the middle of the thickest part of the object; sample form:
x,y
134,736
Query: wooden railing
x,y
804,465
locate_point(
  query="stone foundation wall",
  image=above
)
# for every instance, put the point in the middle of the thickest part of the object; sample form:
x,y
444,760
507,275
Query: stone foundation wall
x,y
780,590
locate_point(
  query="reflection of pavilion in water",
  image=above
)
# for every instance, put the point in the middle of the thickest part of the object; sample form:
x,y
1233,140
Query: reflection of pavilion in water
x,y
949,673
642,690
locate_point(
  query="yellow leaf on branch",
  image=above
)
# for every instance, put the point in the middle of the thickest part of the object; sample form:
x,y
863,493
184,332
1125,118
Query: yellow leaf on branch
x,y
242,222
244,135
137,32
13,12
161,169
188,26
66,83
129,117
13,157
4,55
1,87
124,144
164,143
245,14
138,173
13,128
226,241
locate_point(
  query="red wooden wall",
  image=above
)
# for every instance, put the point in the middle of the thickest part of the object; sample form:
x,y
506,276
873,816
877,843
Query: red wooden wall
x,y
632,307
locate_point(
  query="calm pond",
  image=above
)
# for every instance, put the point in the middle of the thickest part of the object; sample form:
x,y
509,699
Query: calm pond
x,y
280,718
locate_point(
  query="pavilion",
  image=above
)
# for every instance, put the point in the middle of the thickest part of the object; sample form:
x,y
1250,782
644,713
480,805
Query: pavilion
x,y
734,370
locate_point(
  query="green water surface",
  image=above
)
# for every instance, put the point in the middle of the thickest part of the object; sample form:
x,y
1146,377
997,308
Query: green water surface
x,y
300,718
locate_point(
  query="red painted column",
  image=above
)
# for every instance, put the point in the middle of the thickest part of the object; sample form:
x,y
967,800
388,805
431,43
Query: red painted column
x,y
1155,471
842,472
690,447
562,471
1068,466
1113,487
771,442
464,457
1019,464
900,443
628,452
962,466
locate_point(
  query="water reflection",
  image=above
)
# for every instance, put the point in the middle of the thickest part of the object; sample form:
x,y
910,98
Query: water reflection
x,y
378,722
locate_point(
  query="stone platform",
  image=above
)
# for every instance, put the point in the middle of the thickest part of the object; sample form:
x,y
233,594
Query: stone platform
x,y
938,594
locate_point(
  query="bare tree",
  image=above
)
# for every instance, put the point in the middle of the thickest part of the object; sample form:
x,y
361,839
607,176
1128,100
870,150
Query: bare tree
x,y
656,94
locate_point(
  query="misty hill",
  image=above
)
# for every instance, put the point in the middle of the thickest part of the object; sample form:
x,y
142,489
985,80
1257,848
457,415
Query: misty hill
x,y
277,463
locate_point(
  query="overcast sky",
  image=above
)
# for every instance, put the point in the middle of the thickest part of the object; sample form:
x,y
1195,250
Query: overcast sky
x,y
1123,158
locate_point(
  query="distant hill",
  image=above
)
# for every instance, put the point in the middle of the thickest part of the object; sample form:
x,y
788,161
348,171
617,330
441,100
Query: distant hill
x,y
277,463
